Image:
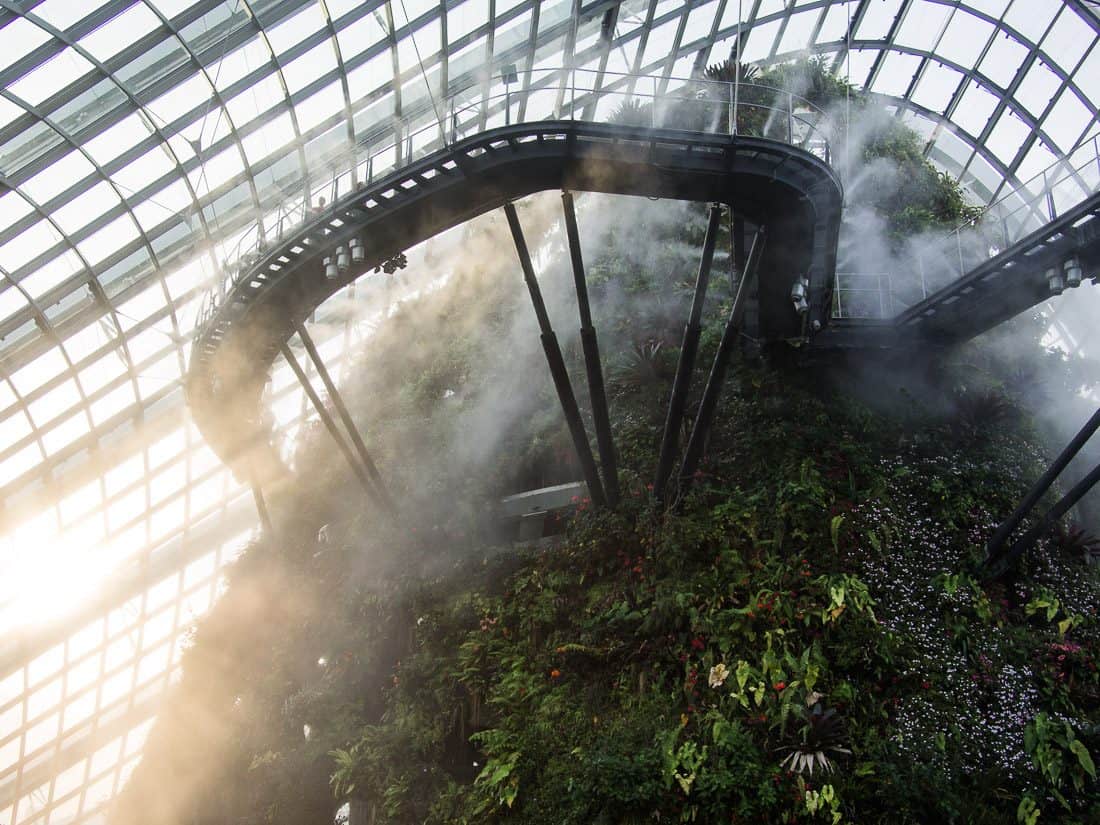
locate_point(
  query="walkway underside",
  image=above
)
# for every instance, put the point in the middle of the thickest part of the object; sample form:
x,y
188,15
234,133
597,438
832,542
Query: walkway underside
x,y
792,192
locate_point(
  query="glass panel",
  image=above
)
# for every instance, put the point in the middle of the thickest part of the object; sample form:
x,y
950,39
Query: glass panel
x,y
1038,87
193,94
61,14
28,244
936,87
127,133
146,69
975,108
1067,120
877,19
295,28
466,17
28,146
51,77
1003,59
306,68
923,25
360,36
965,38
1031,17
60,175
1008,136
55,271
86,108
211,30
1068,39
120,32
21,37
12,208
249,57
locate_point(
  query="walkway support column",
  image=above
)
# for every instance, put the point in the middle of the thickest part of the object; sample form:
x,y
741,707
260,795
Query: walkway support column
x,y
996,543
997,567
596,392
345,417
261,508
737,238
330,425
688,349
705,417
557,364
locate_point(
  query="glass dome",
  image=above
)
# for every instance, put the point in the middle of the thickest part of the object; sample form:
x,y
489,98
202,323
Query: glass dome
x,y
144,142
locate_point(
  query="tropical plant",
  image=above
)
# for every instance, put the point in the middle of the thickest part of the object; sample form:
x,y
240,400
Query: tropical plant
x,y
1058,754
980,413
822,733
632,112
642,365
729,71
1076,542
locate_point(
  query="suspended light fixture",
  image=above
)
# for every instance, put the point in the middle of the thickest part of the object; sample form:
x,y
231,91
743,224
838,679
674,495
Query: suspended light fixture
x,y
798,296
331,271
1072,269
358,251
1055,280
343,259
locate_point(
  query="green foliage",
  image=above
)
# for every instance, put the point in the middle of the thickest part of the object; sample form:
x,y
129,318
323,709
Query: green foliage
x,y
1059,755
808,609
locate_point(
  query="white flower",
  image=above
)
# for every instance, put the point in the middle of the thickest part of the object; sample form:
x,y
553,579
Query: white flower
x,y
718,675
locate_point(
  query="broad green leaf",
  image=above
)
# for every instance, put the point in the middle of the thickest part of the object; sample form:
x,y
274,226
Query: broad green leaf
x,y
1083,756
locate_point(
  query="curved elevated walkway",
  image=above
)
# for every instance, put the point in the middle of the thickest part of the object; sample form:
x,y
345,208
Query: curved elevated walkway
x,y
793,192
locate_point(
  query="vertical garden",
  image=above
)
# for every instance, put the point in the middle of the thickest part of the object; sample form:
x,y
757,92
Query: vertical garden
x,y
807,636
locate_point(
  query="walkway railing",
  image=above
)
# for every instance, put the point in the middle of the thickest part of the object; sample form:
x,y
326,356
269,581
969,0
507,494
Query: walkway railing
x,y
926,264
698,104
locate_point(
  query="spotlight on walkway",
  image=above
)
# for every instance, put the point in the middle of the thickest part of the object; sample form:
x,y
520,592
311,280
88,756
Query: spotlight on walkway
x,y
1055,280
331,272
1072,269
343,259
358,251
798,296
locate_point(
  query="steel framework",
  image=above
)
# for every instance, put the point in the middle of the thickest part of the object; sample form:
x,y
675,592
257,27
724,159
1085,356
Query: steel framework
x,y
141,143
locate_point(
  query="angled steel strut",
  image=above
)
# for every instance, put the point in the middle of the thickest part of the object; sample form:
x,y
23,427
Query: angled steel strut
x,y
592,368
345,417
997,559
717,377
688,349
557,364
330,425
261,507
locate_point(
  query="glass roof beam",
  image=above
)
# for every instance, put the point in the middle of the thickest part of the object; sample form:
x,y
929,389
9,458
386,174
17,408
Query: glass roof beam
x,y
143,236
854,22
891,33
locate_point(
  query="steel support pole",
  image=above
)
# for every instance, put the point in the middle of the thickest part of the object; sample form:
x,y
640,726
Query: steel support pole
x,y
688,348
330,425
556,364
737,237
705,417
261,509
594,371
345,417
997,541
998,566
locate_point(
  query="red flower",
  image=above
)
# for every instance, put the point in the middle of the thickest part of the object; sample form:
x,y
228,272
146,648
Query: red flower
x,y
555,673
780,687
697,643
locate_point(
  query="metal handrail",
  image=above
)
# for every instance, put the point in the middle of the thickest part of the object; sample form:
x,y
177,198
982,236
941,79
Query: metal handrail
x,y
795,120
1027,207
1073,166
